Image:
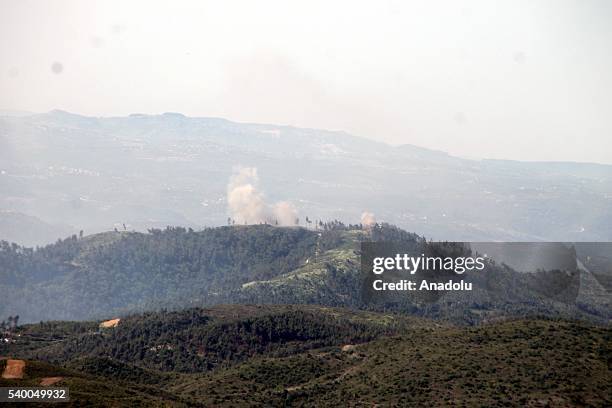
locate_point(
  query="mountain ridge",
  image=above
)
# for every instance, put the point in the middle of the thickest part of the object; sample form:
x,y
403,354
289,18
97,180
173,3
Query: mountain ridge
x,y
177,115
151,171
125,272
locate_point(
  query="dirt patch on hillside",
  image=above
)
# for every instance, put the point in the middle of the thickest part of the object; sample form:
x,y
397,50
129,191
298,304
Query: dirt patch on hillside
x,y
46,381
110,323
14,369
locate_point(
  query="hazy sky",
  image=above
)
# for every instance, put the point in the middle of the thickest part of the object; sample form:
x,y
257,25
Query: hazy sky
x,y
506,79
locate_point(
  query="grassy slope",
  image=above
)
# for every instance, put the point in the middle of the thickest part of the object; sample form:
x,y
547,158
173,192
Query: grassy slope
x,y
311,282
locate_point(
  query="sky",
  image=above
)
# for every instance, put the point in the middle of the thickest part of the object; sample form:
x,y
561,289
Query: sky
x,y
525,80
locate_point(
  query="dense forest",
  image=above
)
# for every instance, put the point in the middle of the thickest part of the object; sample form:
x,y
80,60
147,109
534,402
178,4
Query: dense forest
x,y
291,325
116,273
239,355
196,340
77,278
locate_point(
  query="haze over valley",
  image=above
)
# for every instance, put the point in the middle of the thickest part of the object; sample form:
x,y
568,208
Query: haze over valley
x,y
61,173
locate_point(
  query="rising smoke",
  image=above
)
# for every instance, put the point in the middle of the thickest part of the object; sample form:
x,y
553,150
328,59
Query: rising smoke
x,y
247,205
368,220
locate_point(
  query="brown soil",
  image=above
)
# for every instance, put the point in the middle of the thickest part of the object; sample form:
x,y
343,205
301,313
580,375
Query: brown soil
x,y
46,381
110,323
14,369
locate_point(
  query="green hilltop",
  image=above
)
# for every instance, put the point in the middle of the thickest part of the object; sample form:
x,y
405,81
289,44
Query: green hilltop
x,y
117,273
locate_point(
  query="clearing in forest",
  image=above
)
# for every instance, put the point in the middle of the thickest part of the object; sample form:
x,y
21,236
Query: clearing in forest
x,y
14,369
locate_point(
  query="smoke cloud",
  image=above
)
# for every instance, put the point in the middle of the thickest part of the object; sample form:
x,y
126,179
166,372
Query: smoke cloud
x,y
368,220
247,205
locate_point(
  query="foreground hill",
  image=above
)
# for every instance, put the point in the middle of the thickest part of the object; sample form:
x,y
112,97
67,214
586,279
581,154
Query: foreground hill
x,y
125,272
316,356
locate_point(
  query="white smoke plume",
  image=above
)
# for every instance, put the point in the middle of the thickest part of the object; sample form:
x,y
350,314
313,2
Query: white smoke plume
x,y
247,204
368,220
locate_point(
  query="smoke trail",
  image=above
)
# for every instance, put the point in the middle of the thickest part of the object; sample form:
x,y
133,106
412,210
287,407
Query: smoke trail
x,y
247,204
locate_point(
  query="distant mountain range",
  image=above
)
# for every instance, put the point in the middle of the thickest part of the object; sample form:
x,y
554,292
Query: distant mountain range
x,y
149,171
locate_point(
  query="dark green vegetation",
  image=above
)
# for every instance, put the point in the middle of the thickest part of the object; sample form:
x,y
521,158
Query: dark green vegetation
x,y
113,272
318,356
299,331
197,340
116,273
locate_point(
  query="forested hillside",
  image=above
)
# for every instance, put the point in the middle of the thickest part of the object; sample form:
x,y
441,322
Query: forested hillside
x,y
121,271
315,356
115,273
196,340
